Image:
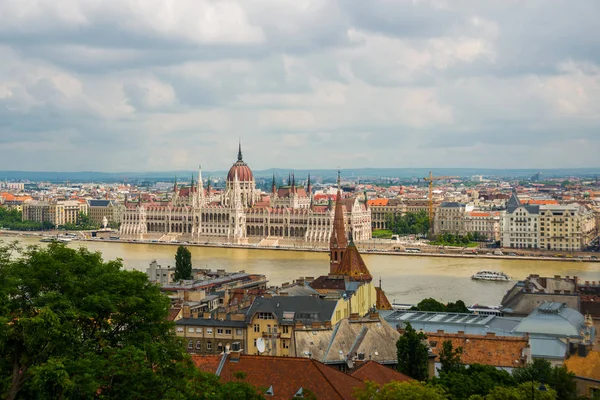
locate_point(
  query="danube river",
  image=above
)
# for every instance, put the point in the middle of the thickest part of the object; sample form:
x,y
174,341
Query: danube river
x,y
406,279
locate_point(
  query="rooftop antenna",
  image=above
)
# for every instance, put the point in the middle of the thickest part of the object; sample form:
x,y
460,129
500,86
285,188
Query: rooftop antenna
x,y
260,345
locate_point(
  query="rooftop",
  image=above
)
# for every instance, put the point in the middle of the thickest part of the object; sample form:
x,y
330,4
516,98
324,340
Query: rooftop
x,y
585,367
380,374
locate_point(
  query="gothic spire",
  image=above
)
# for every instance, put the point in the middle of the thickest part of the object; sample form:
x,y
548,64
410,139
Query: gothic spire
x,y
337,241
293,183
240,150
273,185
175,185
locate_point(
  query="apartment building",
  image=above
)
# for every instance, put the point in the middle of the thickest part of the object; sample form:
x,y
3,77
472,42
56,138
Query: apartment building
x,y
211,332
450,218
58,213
485,223
382,209
520,224
549,226
569,227
98,209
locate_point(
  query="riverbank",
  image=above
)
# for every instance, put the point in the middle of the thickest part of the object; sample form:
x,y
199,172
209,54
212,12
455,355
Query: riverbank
x,y
364,248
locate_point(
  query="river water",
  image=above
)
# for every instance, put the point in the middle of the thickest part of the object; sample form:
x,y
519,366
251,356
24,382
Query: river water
x,y
405,279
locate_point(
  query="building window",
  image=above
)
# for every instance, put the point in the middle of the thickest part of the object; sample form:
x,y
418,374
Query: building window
x,y
209,331
208,345
228,331
285,344
190,330
198,345
256,328
286,329
198,330
219,331
190,345
238,332
254,342
265,315
180,329
220,347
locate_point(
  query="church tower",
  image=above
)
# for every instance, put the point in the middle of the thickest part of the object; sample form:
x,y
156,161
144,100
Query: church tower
x,y
337,241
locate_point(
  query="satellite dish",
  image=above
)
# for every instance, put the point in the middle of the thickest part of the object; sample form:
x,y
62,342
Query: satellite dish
x,y
260,345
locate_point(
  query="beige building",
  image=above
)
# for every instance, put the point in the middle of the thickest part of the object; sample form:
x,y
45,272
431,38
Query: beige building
x,y
273,320
382,209
450,218
212,333
561,227
35,210
98,209
485,223
58,213
569,227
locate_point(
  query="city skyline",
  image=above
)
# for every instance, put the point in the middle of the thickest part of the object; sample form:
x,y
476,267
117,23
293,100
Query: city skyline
x,y
102,86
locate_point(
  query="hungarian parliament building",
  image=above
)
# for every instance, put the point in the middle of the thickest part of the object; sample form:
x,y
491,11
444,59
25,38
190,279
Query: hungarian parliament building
x,y
242,213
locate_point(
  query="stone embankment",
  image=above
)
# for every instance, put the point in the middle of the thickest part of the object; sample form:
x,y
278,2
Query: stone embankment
x,y
371,247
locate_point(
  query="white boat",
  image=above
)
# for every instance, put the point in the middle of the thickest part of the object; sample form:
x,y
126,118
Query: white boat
x,y
491,276
64,239
47,239
478,309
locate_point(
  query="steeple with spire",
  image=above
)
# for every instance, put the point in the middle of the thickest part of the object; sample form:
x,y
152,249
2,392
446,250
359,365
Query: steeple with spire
x,y
240,151
273,186
337,241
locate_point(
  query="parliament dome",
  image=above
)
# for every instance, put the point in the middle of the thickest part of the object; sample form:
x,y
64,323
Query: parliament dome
x,y
244,173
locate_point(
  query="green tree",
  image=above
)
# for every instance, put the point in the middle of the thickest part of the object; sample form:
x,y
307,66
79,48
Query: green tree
x,y
559,378
74,326
522,392
450,358
413,390
458,307
409,223
183,264
476,379
412,353
431,304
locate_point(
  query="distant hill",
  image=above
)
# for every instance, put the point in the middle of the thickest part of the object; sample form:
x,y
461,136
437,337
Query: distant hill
x,y
362,173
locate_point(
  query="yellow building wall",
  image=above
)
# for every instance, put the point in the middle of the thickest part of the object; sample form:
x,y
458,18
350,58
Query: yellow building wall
x,y
280,340
359,303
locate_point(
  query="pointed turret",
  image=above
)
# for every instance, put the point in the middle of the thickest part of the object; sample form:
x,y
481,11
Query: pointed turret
x,y
337,241
240,151
200,186
352,264
293,183
308,187
273,186
175,185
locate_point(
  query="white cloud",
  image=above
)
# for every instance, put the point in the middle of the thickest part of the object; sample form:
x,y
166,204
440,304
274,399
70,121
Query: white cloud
x,y
166,84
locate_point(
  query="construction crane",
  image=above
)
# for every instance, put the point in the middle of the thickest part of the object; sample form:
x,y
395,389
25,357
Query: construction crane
x,y
430,180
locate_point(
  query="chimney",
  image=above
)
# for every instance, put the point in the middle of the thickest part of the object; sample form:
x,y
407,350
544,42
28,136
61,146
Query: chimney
x,y
284,294
440,331
327,324
186,311
490,334
221,316
195,314
300,281
309,279
298,325
374,316
582,350
234,356
354,317
460,332
237,317
206,315
315,325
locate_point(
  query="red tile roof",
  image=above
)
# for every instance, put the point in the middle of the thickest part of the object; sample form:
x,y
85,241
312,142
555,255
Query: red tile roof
x,y
380,374
288,374
207,363
378,202
498,351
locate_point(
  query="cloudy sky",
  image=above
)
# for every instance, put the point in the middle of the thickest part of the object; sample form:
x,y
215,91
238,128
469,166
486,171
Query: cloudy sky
x,y
151,85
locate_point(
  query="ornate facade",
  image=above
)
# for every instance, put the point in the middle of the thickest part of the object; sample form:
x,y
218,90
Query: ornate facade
x,y
243,212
